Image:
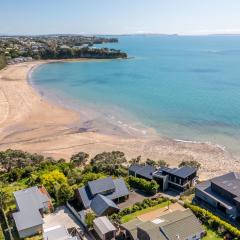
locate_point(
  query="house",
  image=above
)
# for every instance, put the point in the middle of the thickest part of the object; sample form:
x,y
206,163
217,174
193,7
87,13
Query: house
x,y
179,179
102,205
140,171
176,178
31,204
175,225
57,233
100,195
104,228
221,195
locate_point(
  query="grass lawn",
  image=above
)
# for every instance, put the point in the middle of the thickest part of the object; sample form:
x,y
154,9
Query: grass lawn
x,y
140,212
211,235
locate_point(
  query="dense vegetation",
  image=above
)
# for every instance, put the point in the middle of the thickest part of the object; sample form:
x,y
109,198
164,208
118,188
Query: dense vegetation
x,y
2,61
146,203
214,222
149,187
87,52
60,178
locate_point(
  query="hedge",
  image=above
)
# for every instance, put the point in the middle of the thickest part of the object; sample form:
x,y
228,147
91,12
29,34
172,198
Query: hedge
x,y
149,187
214,221
146,203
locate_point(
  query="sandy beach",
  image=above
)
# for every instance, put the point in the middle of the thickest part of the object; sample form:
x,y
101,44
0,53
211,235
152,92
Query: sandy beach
x,y
29,122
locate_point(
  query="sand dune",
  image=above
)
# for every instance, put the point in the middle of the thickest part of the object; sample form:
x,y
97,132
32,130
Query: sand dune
x,y
29,122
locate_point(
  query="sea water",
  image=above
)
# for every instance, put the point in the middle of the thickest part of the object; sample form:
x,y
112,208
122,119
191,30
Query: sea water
x,y
183,87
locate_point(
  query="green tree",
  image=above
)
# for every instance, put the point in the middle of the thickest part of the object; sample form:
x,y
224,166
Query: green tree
x,y
191,163
90,216
53,180
64,193
162,163
151,162
79,159
4,197
136,160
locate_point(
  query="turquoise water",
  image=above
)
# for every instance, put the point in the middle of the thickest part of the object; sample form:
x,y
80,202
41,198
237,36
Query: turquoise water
x,y
183,87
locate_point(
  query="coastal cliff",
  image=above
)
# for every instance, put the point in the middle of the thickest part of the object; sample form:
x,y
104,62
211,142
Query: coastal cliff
x,y
68,53
26,48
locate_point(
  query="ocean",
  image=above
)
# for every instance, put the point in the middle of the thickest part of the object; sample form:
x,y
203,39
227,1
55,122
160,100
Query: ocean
x,y
181,87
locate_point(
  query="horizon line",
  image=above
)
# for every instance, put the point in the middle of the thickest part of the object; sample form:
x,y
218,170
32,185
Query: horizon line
x,y
118,34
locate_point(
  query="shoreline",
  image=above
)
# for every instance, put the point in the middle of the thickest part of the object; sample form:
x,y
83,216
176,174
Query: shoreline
x,y
30,122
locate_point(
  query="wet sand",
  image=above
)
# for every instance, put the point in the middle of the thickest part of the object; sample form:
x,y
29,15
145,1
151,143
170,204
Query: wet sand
x,y
31,123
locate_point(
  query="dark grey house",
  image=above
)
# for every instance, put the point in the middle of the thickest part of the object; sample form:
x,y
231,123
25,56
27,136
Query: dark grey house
x,y
221,195
176,178
139,171
101,195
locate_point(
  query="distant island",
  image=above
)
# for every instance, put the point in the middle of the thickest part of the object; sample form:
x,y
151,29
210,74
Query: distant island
x,y
15,49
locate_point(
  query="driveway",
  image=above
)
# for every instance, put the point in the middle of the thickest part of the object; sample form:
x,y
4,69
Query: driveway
x,y
61,216
134,197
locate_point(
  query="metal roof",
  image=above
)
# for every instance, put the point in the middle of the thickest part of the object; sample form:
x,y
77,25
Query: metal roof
x,y
85,196
100,204
178,223
131,227
181,223
182,172
152,230
26,219
101,185
120,190
172,225
29,201
229,182
57,233
104,225
144,171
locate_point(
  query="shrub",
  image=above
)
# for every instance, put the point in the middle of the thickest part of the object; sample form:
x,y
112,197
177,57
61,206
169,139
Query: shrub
x,y
191,163
150,187
146,203
214,221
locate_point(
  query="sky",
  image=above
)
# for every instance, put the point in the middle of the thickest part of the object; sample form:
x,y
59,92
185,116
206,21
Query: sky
x,y
190,17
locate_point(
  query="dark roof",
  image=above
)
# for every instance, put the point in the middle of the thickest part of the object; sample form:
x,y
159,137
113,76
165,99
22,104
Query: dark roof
x,y
120,190
131,227
182,172
231,185
29,201
100,204
101,185
85,196
230,182
144,171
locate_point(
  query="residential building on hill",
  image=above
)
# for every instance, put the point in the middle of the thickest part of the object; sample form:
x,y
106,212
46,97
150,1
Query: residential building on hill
x,y
172,226
31,204
102,195
221,195
179,179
